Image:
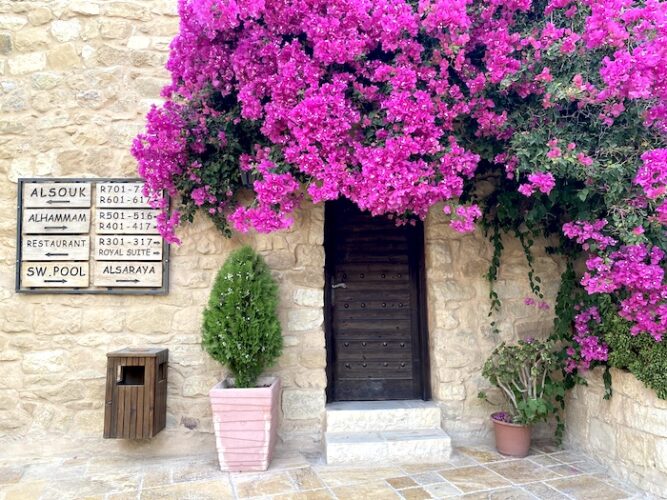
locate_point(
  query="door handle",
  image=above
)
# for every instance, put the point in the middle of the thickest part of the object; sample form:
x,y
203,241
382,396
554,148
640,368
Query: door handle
x,y
338,285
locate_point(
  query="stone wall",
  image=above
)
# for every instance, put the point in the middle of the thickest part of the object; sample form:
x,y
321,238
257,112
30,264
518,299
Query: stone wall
x,y
628,432
76,79
461,337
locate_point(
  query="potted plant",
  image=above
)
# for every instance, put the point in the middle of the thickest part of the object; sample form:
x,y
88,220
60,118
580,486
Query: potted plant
x,y
523,373
241,330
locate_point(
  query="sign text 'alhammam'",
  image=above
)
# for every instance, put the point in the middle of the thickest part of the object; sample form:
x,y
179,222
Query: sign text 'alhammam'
x,y
88,236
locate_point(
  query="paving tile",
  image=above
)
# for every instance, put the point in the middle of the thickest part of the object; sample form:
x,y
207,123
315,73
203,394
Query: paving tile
x,y
123,495
427,478
11,474
589,467
587,488
442,490
196,490
544,460
255,485
482,454
417,493
568,457
25,490
522,471
321,494
565,470
376,490
545,446
401,482
544,492
306,479
501,494
341,476
54,471
156,477
196,472
475,478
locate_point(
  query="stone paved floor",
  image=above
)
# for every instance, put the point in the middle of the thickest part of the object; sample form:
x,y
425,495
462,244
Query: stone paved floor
x,y
473,472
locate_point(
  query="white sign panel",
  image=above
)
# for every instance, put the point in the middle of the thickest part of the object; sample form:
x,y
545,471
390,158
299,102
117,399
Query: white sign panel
x,y
61,247
54,274
64,223
127,247
122,221
121,195
57,194
128,274
56,221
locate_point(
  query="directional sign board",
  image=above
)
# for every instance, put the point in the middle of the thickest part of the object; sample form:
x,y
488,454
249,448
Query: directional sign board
x,y
88,236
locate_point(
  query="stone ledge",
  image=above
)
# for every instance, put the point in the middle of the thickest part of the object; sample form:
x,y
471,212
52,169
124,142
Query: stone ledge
x,y
379,416
405,447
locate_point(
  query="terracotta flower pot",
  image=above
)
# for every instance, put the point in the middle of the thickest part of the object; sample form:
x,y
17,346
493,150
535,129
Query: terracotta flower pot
x,y
246,423
511,439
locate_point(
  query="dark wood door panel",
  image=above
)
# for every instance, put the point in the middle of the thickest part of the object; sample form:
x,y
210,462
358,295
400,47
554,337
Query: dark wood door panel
x,y
374,329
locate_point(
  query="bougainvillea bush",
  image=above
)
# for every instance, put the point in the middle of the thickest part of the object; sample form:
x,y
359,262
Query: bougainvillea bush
x,y
559,108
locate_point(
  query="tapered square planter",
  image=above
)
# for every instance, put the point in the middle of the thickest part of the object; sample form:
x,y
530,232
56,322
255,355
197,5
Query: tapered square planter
x,y
246,423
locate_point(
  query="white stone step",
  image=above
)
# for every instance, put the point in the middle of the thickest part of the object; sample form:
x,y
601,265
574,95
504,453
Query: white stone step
x,y
379,416
402,447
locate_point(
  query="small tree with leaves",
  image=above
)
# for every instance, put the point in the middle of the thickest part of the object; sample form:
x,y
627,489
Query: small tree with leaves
x,y
241,328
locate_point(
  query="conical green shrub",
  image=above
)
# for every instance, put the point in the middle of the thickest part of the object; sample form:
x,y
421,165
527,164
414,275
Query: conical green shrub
x,y
241,328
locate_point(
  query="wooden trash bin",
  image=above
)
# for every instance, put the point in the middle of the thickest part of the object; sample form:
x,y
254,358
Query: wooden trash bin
x,y
136,393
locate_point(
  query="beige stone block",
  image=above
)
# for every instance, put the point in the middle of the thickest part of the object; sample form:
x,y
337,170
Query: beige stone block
x,y
12,22
198,385
602,438
312,358
167,28
63,56
310,379
151,87
30,39
39,15
165,7
55,319
310,256
16,319
188,319
304,319
127,10
9,355
84,7
451,392
46,80
280,259
661,454
138,42
66,31
89,421
309,297
9,399
52,361
299,404
115,29
156,319
11,375
27,63
107,319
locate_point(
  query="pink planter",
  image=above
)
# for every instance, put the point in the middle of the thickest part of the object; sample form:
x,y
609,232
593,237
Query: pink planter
x,y
246,424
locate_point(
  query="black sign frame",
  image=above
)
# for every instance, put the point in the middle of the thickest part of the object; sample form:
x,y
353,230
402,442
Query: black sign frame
x,y
163,290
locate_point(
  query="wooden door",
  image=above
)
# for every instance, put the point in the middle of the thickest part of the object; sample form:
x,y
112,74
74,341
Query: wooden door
x,y
376,338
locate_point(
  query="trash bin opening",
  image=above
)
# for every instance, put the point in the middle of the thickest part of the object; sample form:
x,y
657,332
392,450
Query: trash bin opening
x,y
130,375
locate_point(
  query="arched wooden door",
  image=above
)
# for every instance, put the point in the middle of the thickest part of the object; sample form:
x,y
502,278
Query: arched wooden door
x,y
374,307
